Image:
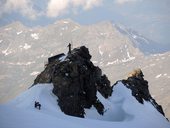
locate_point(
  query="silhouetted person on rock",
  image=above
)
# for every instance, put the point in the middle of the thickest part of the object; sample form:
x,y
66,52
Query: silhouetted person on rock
x,y
37,105
69,45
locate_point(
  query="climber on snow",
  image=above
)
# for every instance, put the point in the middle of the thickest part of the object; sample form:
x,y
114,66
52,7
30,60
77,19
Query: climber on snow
x,y
37,105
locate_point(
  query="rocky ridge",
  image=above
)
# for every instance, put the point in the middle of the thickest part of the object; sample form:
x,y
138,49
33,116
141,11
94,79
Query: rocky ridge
x,y
139,87
24,49
76,81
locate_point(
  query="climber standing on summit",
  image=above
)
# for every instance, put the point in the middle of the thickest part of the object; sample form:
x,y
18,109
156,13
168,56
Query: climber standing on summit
x,y
69,45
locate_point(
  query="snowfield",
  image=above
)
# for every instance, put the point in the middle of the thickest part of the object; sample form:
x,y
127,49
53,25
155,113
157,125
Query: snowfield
x,y
122,110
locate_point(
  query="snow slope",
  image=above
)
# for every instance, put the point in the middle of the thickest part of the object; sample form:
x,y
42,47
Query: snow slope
x,y
122,110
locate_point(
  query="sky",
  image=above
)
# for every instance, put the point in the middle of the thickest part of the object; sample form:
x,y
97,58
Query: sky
x,y
150,18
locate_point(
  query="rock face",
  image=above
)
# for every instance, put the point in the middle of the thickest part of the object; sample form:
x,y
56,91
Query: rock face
x,y
76,81
139,88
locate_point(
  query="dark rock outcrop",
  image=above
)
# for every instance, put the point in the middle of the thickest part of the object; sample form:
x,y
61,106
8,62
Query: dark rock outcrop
x,y
76,81
139,88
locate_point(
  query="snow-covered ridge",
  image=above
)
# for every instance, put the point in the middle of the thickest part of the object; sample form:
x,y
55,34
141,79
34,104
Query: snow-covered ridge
x,y
121,111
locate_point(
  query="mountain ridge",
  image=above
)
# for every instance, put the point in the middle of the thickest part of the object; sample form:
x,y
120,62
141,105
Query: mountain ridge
x,y
23,54
119,112
76,82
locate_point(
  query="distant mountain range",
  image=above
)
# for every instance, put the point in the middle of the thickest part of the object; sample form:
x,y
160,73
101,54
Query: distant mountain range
x,y
114,48
146,45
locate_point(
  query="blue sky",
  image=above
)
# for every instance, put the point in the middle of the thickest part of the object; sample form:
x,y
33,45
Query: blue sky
x,y
151,18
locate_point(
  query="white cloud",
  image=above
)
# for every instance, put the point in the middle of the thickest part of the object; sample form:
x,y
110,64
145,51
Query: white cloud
x,y
86,4
25,7
58,7
92,3
125,1
54,8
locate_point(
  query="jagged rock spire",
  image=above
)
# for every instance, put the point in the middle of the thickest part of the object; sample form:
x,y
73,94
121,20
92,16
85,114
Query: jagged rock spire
x,y
139,88
76,81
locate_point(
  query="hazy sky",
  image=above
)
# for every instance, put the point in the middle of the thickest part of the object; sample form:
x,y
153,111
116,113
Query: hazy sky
x,y
151,18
